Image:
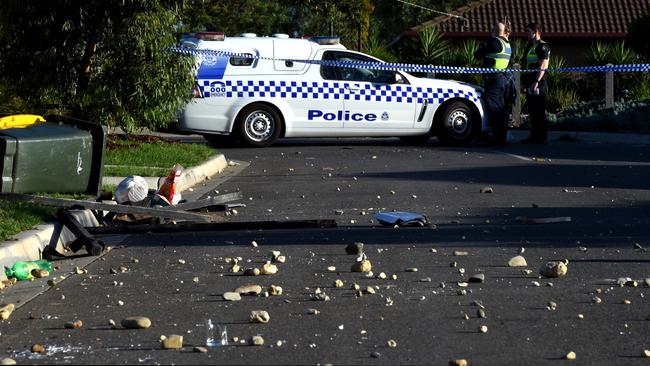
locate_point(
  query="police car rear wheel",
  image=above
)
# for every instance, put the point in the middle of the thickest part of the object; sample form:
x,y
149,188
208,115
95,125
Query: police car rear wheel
x,y
259,126
456,125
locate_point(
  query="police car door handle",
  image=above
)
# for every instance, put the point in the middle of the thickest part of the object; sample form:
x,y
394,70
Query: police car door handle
x,y
353,88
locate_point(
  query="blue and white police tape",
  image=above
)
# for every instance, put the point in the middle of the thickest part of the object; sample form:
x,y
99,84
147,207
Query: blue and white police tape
x,y
411,67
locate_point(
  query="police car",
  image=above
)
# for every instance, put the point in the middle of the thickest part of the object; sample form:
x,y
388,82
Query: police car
x,y
258,89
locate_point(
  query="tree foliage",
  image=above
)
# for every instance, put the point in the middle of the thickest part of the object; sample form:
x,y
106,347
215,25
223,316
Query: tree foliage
x,y
98,60
637,35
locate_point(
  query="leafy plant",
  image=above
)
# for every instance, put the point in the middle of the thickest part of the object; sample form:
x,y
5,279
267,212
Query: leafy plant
x,y
379,49
431,46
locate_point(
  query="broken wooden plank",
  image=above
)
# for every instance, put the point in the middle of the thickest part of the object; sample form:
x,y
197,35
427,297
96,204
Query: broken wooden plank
x,y
123,209
222,226
212,201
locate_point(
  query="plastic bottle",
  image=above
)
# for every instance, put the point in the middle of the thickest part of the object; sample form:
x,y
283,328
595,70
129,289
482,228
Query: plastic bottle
x,y
218,339
23,270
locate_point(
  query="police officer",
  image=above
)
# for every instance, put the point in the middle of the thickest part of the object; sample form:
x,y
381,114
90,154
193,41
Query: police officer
x,y
535,84
496,54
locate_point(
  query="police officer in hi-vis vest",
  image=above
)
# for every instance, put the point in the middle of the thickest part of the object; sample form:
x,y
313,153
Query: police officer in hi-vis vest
x,y
535,85
496,54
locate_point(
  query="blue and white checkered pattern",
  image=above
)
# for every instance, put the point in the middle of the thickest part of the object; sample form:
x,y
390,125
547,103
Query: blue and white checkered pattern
x,y
333,90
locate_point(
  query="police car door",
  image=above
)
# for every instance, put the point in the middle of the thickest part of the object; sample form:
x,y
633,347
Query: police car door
x,y
373,98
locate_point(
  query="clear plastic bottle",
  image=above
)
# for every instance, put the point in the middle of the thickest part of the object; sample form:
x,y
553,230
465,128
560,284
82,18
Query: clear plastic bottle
x,y
22,270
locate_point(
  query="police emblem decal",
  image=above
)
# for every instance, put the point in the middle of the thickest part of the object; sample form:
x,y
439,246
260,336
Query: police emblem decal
x,y
384,116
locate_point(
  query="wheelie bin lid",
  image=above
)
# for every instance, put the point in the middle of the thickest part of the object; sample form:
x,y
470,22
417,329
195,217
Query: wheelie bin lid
x,y
19,121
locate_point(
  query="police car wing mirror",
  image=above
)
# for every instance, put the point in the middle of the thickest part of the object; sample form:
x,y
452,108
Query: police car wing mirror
x,y
288,63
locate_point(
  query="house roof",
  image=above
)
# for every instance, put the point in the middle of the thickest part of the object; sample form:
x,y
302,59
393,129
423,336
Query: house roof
x,y
557,18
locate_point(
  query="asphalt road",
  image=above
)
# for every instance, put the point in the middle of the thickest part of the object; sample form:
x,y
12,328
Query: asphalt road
x,y
177,279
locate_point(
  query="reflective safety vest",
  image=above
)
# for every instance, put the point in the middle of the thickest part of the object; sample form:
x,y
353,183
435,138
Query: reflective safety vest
x,y
501,59
532,61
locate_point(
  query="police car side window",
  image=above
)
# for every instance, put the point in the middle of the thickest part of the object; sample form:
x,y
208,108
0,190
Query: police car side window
x,y
362,73
242,61
329,72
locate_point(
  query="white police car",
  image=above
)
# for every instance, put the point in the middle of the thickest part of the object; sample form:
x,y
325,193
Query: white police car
x,y
262,89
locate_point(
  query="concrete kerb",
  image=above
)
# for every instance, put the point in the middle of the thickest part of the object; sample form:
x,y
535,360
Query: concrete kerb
x,y
29,245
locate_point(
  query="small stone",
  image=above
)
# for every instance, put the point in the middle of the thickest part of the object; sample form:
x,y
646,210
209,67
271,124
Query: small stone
x,y
354,249
260,316
40,273
552,305
11,361
313,311
570,356
481,313
382,276
392,343
646,353
412,269
252,272
257,340
355,287
338,283
581,316
275,290
363,266
174,341
596,300
181,261
269,269
426,279
135,322
231,296
462,284
627,302
518,261
73,324
526,272
281,259
254,244
459,362
553,269
199,349
487,190
112,323
6,310
195,279
647,281
37,348
235,268
371,290
483,329
477,278
331,269
78,270
375,354
249,290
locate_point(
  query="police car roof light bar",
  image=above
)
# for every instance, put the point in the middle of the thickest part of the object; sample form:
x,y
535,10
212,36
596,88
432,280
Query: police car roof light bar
x,y
211,36
325,40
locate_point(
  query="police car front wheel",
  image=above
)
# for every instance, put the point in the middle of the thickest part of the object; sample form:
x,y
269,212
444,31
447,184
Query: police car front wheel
x,y
456,124
259,125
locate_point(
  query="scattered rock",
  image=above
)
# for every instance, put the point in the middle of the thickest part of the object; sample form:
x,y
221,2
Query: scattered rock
x,y
375,354
11,361
646,354
553,269
6,310
552,305
627,302
536,283
487,190
249,290
412,269
40,273
570,356
426,279
38,348
135,322
252,272
354,249
338,283
596,300
257,340
392,343
174,341
313,311
199,349
647,281
275,290
235,268
269,269
260,316
477,278
363,266
231,296
459,362
371,290
460,253
481,313
77,324
483,329
518,261
331,269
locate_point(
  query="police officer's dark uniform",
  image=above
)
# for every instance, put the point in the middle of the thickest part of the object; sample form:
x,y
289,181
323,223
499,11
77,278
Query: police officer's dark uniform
x,y
536,101
496,54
